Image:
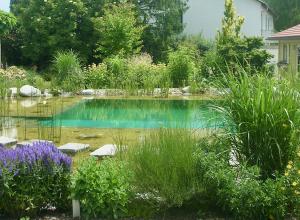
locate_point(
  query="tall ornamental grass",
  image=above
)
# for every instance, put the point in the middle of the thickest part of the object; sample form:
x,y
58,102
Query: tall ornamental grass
x,y
164,166
67,69
266,121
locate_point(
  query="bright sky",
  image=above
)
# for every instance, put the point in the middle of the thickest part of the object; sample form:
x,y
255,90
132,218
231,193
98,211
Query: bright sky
x,y
4,5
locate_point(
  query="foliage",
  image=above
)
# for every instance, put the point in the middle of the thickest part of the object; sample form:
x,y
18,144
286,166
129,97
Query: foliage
x,y
164,167
67,69
182,65
32,178
239,190
117,68
7,22
120,31
292,184
103,188
163,20
97,76
202,44
56,22
266,121
233,50
286,13
13,73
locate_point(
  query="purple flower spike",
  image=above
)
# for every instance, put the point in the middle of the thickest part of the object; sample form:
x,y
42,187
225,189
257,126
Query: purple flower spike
x,y
39,154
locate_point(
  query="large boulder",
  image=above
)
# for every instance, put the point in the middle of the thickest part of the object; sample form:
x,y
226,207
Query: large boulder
x,y
29,91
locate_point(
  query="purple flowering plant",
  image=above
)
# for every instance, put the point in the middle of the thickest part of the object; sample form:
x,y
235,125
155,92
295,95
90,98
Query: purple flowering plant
x,y
32,177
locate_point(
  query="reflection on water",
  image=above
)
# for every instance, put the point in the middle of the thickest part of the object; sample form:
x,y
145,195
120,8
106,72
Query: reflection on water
x,y
128,113
39,118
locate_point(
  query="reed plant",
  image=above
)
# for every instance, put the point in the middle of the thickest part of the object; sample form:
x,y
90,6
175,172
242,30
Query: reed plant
x,y
265,115
164,166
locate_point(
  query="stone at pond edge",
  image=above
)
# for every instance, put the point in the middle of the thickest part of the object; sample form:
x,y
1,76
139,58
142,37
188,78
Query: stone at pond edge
x,y
88,92
106,150
73,147
7,142
89,136
29,91
186,89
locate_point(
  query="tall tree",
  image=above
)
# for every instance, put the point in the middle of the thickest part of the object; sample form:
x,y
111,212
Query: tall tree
x,y
119,30
164,24
287,13
49,26
7,22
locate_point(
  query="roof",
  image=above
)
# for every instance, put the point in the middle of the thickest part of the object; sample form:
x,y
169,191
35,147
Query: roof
x,y
291,33
267,6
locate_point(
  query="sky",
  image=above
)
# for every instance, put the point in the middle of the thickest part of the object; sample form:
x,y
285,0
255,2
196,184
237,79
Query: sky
x,y
4,5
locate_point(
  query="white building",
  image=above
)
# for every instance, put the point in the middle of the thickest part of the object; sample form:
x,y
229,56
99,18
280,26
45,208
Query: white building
x,y
205,17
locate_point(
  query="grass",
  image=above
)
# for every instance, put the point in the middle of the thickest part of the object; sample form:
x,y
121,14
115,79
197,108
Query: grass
x,y
266,120
164,166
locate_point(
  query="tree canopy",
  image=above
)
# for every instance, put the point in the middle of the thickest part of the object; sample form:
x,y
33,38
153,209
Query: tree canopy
x,y
287,13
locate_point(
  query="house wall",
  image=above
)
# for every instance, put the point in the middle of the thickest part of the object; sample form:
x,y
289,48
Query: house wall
x,y
292,46
205,16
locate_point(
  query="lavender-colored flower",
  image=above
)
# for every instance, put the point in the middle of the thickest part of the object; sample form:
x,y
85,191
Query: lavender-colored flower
x,y
36,155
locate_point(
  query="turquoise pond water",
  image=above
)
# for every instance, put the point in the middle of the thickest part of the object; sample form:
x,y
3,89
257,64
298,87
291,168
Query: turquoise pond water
x,y
127,113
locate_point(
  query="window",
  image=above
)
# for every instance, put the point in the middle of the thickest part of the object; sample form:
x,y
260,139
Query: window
x,y
285,53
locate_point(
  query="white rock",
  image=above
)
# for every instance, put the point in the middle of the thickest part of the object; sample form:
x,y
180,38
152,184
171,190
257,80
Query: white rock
x,y
186,89
73,147
30,142
29,91
106,150
88,92
7,142
28,103
13,91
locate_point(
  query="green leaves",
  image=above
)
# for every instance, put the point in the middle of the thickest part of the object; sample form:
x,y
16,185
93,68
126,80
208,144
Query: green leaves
x,y
119,31
103,188
7,22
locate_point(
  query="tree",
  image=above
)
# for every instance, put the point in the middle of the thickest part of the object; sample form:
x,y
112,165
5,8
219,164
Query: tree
x,y
287,13
234,50
119,31
49,26
163,20
7,22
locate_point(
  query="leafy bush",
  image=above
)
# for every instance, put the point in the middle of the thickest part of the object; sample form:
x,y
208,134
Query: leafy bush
x,y
292,184
119,30
117,68
68,73
266,121
103,188
32,178
164,167
239,190
182,65
96,76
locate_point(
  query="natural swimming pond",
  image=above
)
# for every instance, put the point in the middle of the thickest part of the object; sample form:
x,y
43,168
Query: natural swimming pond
x,y
131,113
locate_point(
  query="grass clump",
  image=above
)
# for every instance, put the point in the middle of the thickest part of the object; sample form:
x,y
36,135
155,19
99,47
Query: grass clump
x,y
164,167
266,121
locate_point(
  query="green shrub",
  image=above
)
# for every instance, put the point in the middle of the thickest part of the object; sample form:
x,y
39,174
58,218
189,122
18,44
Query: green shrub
x,y
67,69
33,178
238,189
117,68
182,65
103,188
164,167
266,118
292,184
97,76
